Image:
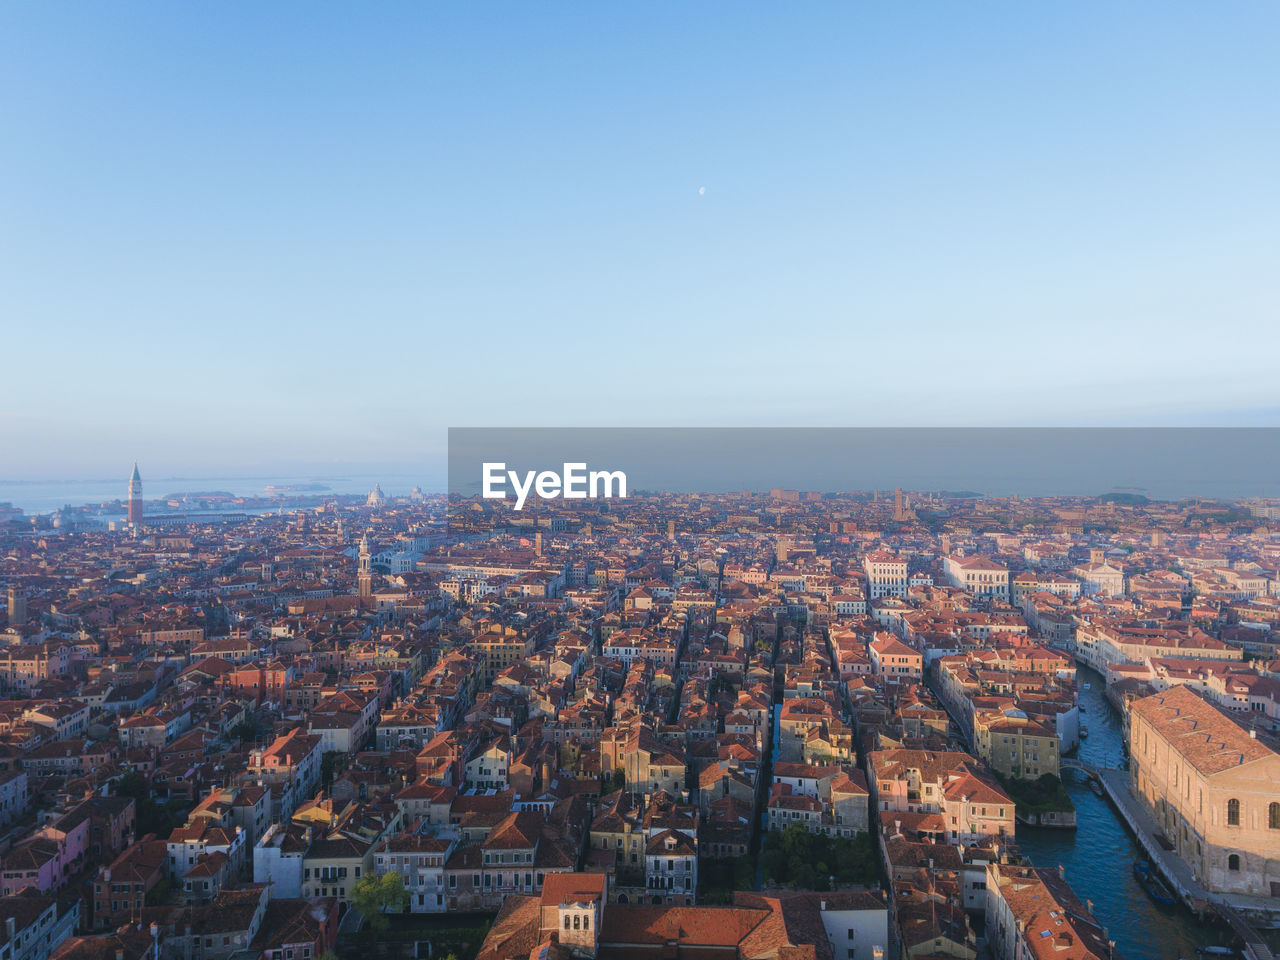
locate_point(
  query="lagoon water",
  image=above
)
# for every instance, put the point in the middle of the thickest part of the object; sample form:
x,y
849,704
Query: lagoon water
x,y
45,496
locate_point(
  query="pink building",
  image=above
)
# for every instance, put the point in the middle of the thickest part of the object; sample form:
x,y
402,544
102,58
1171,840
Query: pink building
x,y
50,857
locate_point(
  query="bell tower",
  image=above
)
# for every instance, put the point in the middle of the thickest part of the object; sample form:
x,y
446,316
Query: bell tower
x,y
135,495
364,569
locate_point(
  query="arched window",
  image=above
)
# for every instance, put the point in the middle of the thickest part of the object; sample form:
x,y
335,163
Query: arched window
x,y
566,921
1233,862
1233,813
586,921
1273,816
577,922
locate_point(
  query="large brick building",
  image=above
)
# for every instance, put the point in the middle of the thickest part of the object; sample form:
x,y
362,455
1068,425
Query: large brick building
x,y
1211,785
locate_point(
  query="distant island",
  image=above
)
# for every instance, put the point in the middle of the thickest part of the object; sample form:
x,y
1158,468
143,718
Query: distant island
x,y
296,488
1125,498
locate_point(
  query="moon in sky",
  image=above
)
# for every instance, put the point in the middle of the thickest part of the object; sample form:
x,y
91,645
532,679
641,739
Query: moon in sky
x,y
702,191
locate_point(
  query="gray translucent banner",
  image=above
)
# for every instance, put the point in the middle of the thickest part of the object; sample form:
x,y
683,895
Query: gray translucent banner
x,y
1160,463
808,463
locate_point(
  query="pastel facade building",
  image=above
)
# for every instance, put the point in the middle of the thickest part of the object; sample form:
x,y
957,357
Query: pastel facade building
x,y
978,575
886,575
1210,783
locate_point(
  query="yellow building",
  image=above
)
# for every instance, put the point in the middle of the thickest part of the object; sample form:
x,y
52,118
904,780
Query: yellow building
x,y
500,647
1212,786
1015,745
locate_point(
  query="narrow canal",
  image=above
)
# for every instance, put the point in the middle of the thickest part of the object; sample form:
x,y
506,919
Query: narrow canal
x,y
1099,855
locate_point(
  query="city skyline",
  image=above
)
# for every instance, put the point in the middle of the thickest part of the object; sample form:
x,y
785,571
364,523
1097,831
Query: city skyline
x,y
1161,464
958,705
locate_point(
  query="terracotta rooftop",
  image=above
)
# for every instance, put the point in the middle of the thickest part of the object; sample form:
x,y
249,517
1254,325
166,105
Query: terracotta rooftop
x,y
1202,734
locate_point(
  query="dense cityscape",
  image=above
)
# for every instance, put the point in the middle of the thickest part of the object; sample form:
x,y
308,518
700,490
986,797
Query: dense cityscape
x,y
763,725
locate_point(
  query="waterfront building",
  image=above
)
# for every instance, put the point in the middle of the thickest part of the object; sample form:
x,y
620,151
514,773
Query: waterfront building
x,y
1106,641
1033,915
1210,783
1014,744
973,807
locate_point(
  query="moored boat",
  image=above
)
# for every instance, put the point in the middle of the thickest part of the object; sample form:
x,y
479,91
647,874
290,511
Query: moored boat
x,y
1152,883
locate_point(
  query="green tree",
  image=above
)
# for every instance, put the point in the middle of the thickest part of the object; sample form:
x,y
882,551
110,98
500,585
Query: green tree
x,y
133,784
150,816
329,766
744,873
375,896
796,857
803,875
159,894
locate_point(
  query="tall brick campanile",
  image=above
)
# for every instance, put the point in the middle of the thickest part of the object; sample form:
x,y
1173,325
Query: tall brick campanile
x,y
364,570
135,495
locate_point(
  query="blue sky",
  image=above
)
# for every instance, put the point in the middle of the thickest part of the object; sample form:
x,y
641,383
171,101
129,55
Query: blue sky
x,y
285,236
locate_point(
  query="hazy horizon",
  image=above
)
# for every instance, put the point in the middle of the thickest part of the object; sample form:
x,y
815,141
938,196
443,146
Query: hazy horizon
x,y
63,465
1161,463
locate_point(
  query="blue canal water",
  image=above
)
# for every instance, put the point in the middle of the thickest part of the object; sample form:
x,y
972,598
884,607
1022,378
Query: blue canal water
x,y
1099,855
